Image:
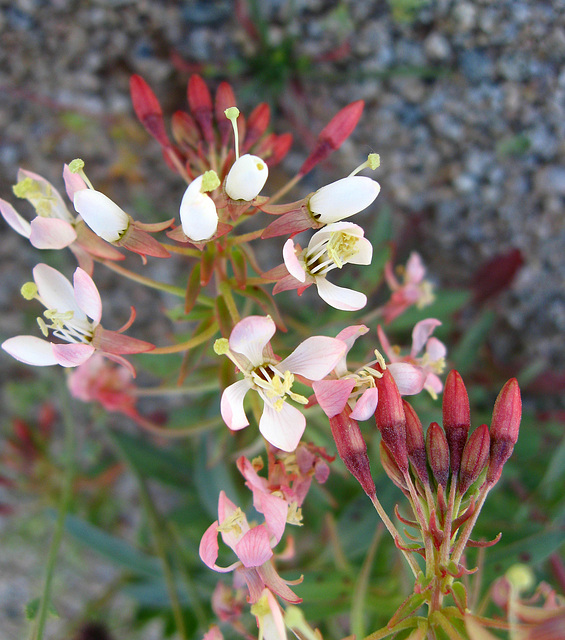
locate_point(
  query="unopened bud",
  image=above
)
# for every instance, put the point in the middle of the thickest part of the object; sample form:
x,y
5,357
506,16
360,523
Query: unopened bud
x,y
246,178
391,420
475,458
504,428
438,453
415,443
456,417
352,449
391,468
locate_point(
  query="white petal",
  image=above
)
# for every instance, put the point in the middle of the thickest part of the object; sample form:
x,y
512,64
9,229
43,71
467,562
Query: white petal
x,y
408,377
246,178
340,297
198,215
364,253
250,336
314,358
343,198
14,219
30,350
291,261
51,233
86,295
101,214
324,234
73,182
56,291
231,405
284,428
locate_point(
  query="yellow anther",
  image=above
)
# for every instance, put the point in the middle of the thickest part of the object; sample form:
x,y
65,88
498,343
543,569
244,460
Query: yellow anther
x,y
43,327
279,404
380,358
294,515
298,398
427,295
232,524
29,290
341,247
221,346
374,161
521,577
76,165
261,608
26,188
210,181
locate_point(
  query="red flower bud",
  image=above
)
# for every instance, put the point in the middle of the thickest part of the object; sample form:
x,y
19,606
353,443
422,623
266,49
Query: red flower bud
x,y
438,453
415,443
200,102
225,98
257,124
391,420
456,417
148,109
352,449
504,428
475,458
391,468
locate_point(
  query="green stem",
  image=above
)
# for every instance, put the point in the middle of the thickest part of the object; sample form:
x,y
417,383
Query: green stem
x,y
469,525
64,504
203,336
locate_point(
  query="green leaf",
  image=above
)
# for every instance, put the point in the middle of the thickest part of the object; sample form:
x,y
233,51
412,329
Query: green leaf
x,y
465,355
32,607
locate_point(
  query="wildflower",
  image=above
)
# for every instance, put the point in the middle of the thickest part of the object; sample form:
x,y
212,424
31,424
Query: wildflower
x,y
412,372
330,248
414,289
250,350
73,313
198,215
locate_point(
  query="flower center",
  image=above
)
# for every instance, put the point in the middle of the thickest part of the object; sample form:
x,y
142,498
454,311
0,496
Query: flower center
x,y
331,252
273,386
62,325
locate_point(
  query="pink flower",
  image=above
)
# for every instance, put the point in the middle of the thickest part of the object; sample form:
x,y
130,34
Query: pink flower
x,y
250,350
73,312
414,290
332,247
253,546
412,372
343,386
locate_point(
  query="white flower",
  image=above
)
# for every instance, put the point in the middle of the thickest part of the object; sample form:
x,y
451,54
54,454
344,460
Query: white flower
x,y
343,198
101,214
198,215
246,178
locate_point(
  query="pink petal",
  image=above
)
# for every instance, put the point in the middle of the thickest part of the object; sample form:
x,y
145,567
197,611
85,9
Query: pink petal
x,y
349,335
292,262
51,233
71,355
435,349
421,332
275,510
284,428
314,358
332,395
408,377
213,633
231,405
58,206
73,182
387,348
14,219
340,297
254,548
208,549
415,270
433,383
276,584
86,295
366,404
30,350
273,624
250,336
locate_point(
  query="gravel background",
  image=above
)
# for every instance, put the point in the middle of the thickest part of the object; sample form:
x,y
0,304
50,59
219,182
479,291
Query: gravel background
x,y
465,102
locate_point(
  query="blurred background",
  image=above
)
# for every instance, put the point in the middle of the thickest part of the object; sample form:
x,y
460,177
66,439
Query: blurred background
x,y
464,102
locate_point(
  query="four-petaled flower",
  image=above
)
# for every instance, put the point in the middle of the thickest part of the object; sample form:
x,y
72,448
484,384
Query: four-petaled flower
x,y
414,289
250,350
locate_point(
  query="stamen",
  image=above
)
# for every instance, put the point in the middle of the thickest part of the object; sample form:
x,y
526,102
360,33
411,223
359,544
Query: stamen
x,y
373,162
232,114
232,524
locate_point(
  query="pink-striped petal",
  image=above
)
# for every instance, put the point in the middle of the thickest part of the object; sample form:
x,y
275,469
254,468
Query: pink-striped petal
x,y
409,378
30,350
231,405
366,405
275,510
340,297
292,262
86,295
284,428
51,233
314,358
71,355
14,219
254,548
208,549
421,332
250,336
276,584
332,395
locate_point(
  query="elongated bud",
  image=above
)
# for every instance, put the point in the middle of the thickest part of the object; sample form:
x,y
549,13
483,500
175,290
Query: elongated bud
x,y
475,458
101,214
456,417
504,428
246,178
415,443
438,453
352,449
198,215
343,198
391,468
391,420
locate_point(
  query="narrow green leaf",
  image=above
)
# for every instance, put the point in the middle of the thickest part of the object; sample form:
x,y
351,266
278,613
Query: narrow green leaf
x,y
32,608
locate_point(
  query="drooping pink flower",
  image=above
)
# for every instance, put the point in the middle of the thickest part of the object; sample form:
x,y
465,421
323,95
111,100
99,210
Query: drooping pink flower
x,y
250,350
413,290
414,372
253,546
73,313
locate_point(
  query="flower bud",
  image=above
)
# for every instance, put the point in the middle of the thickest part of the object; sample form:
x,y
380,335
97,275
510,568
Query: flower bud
x,y
415,443
198,215
101,214
504,428
343,198
438,453
456,417
475,458
352,449
391,468
391,420
246,178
